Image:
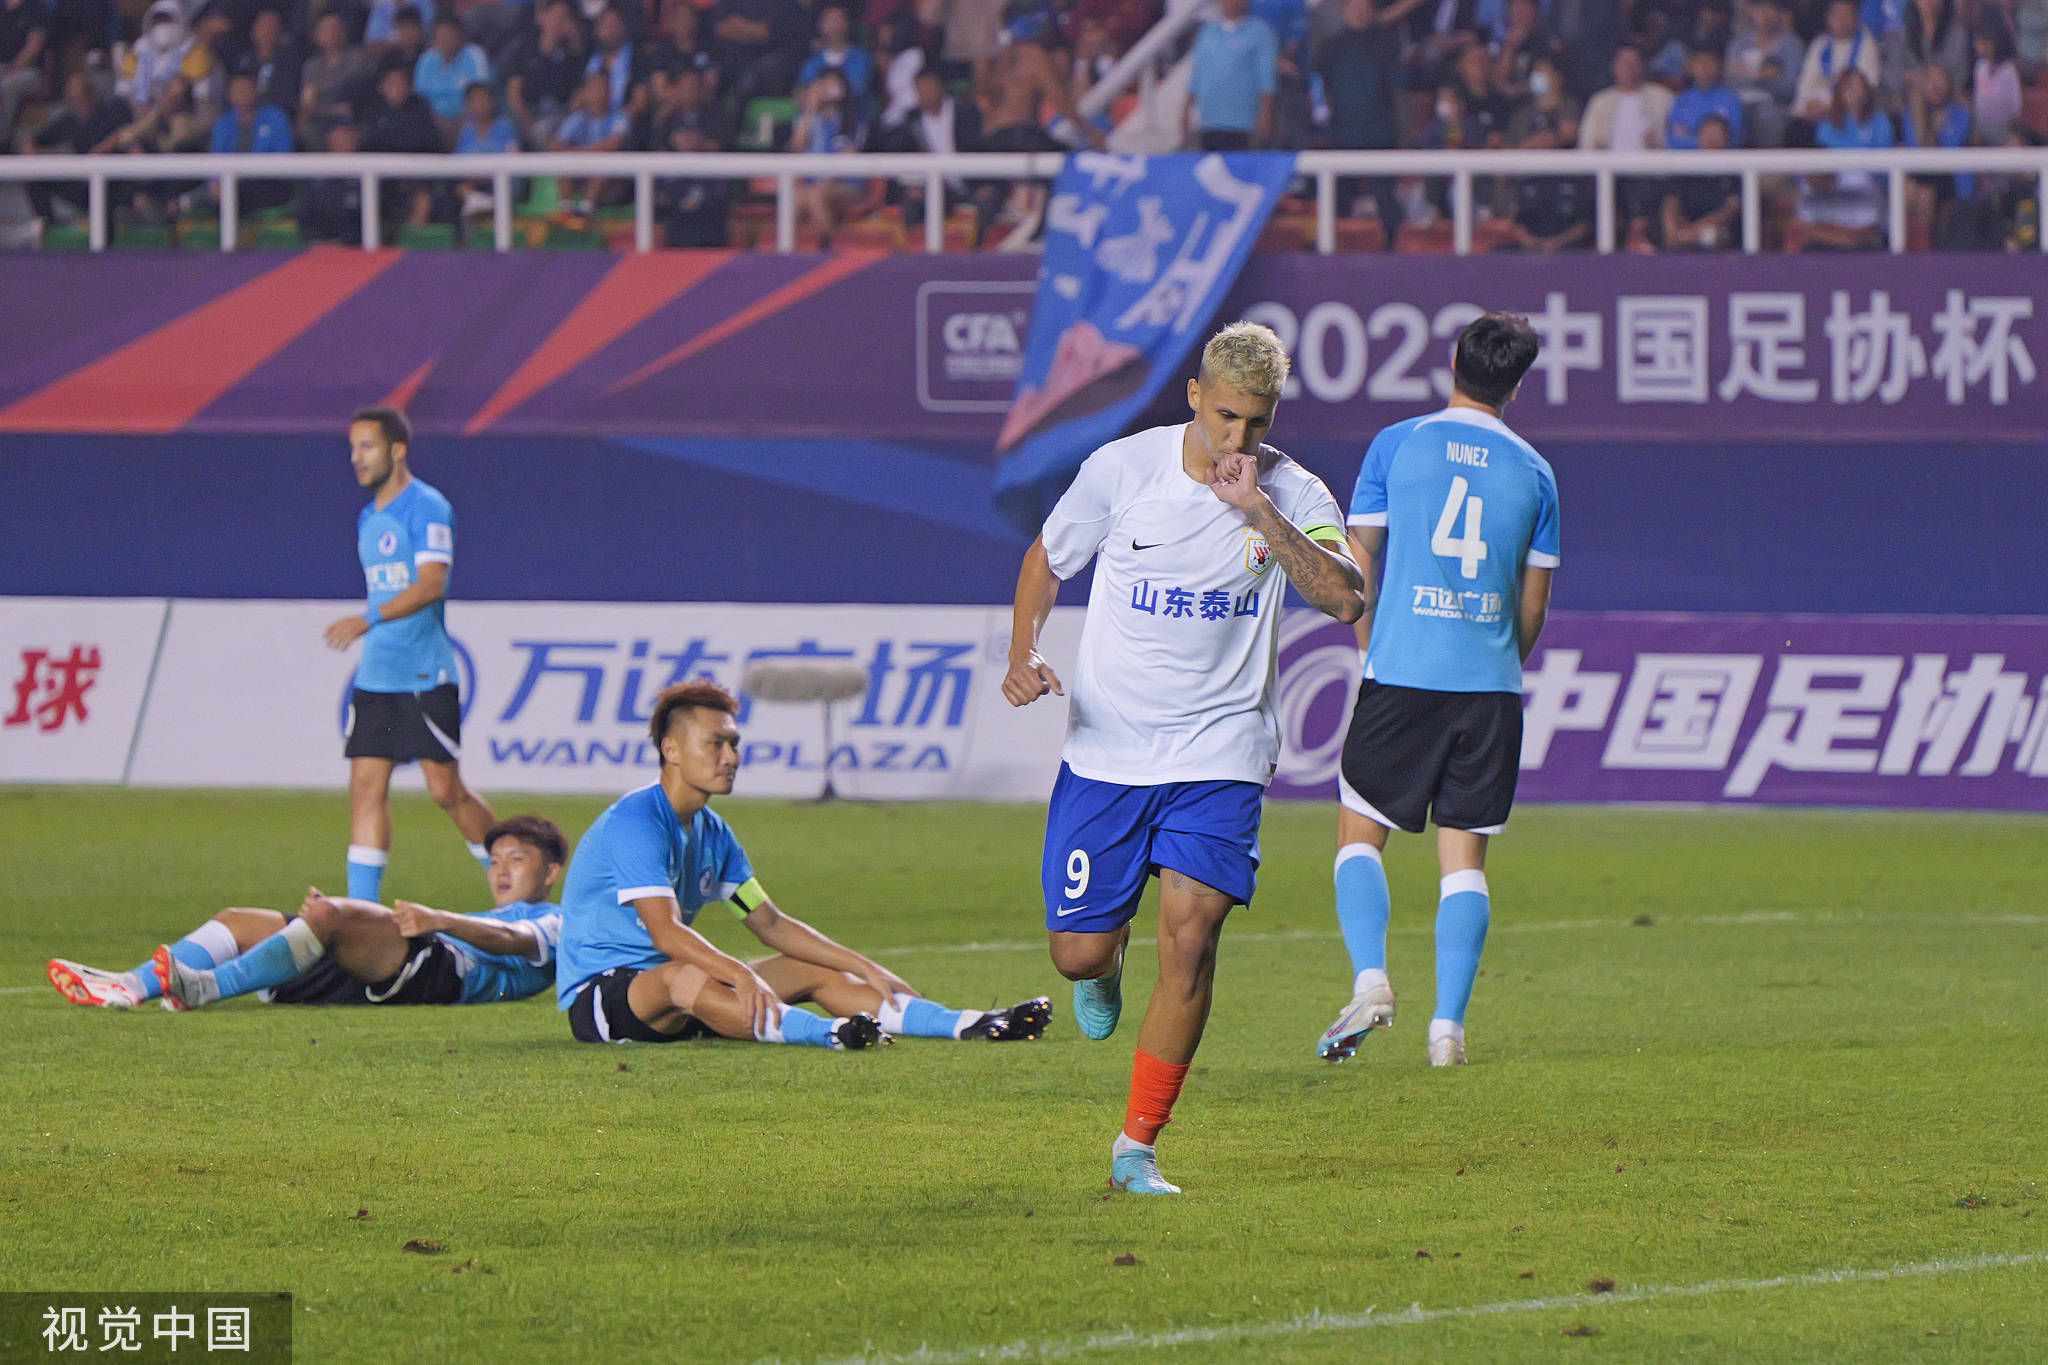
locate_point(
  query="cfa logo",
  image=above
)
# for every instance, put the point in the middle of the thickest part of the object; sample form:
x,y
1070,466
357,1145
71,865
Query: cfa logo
x,y
387,543
1258,552
992,334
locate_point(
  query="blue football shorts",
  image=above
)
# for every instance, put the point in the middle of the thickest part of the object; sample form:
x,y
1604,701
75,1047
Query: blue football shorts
x,y
1104,840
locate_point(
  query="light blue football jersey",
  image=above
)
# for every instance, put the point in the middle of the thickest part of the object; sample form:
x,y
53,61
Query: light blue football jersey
x,y
639,849
1466,504
412,653
492,977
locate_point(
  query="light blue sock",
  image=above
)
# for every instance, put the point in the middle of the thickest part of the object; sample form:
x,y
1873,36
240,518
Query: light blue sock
x,y
1363,906
909,1016
366,872
272,962
801,1028
206,947
1461,919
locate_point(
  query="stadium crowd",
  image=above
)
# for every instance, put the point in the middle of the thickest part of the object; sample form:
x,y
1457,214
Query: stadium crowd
x,y
111,77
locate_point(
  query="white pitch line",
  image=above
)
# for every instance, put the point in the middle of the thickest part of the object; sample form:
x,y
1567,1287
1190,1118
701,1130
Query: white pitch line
x,y
18,990
1318,1322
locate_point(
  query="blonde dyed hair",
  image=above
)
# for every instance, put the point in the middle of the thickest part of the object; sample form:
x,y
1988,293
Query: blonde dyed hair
x,y
1247,357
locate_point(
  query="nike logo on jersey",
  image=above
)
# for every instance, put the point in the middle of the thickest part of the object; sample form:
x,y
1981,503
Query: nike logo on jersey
x,y
1062,914
1153,546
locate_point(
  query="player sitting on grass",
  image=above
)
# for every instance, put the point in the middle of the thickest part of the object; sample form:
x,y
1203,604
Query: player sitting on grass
x,y
340,951
632,968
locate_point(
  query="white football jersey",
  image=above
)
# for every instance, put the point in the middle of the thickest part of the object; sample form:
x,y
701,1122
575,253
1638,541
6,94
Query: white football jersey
x,y
1174,680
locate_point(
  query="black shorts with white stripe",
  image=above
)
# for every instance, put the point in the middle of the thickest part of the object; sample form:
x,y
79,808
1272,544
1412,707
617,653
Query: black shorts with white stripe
x,y
432,975
406,727
600,1013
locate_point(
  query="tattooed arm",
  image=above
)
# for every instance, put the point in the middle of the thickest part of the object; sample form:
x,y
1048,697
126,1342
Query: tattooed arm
x,y
1326,578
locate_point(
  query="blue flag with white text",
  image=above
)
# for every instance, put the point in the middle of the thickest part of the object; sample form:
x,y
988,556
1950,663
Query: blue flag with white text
x,y
1139,253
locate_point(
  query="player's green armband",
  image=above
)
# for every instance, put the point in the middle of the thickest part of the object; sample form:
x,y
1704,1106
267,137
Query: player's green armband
x,y
749,898
1330,535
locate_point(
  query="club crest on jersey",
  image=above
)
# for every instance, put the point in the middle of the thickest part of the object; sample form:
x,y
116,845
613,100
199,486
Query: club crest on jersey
x,y
1258,553
387,542
705,883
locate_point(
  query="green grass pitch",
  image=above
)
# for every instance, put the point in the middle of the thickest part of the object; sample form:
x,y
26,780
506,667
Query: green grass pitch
x,y
1708,1050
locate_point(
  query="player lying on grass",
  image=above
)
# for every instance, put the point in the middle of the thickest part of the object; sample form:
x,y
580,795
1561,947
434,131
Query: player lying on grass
x,y
633,970
340,951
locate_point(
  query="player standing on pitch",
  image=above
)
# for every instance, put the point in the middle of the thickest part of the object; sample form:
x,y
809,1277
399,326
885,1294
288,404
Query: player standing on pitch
x,y
1171,733
405,706
1466,514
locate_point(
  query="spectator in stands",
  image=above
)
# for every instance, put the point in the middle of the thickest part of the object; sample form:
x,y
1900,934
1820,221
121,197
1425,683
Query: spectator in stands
x,y
1766,56
400,121
1701,212
1524,43
175,123
1997,99
2030,32
1288,19
613,58
1703,96
248,125
941,125
1929,31
273,59
758,44
973,35
1023,83
335,82
1552,212
1631,114
1485,103
544,74
829,124
687,120
164,50
1843,212
900,55
1550,105
1232,82
484,132
591,125
1453,128
1588,32
1934,117
1360,67
86,124
445,71
24,36
1845,46
387,16
676,49
408,37
835,50
331,210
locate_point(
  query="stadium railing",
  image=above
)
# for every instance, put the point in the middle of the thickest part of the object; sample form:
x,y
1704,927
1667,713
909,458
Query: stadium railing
x,y
785,170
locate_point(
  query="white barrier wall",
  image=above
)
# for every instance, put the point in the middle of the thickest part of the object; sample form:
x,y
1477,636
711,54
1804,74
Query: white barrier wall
x,y
244,694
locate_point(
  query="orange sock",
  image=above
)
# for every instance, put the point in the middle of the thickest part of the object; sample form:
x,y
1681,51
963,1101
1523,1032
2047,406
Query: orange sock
x,y
1155,1085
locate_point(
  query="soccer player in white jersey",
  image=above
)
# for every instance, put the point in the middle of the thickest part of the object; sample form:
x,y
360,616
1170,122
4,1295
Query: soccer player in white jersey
x,y
1465,512
1171,733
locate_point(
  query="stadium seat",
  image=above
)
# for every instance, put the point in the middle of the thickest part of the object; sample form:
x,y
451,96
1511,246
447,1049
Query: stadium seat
x,y
2034,110
1358,235
425,237
1493,234
873,233
199,235
572,237
67,237
144,237
1424,238
1292,233
762,126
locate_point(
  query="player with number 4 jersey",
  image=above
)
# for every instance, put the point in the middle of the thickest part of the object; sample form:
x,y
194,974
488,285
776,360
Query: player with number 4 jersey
x,y
1171,731
1464,512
